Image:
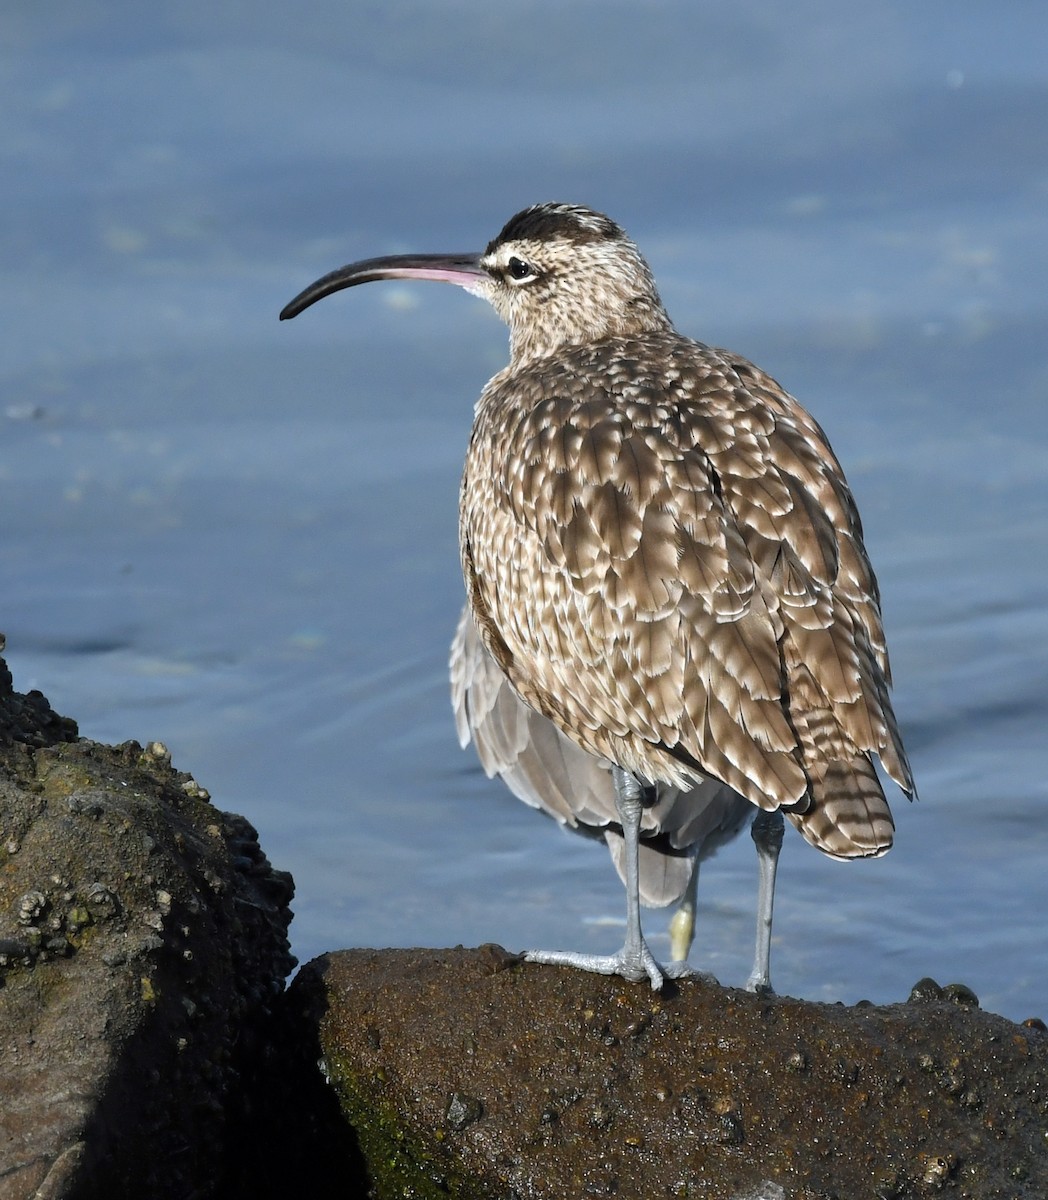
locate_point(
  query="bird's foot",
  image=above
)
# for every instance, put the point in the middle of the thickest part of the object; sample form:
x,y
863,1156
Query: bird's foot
x,y
631,964
689,972
760,985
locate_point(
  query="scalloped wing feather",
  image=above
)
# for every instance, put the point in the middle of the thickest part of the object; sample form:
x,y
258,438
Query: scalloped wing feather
x,y
673,564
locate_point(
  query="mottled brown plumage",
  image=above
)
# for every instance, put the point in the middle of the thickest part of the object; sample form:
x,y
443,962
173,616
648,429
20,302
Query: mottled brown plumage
x,y
679,830
660,549
549,771
663,556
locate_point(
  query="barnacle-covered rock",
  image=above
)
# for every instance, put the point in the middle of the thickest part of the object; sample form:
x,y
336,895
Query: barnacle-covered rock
x,y
143,947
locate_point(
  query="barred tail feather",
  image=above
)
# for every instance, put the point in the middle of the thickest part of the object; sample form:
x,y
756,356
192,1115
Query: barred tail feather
x,y
848,816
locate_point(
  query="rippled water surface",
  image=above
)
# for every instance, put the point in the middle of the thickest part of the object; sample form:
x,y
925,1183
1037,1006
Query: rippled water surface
x,y
239,537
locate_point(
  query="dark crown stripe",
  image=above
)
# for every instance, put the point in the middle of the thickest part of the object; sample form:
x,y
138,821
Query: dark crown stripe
x,y
569,222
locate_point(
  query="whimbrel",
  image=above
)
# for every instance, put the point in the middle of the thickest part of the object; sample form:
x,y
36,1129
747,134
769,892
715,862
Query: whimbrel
x,y
661,552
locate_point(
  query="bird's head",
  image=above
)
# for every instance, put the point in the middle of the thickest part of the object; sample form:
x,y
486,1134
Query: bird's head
x,y
557,274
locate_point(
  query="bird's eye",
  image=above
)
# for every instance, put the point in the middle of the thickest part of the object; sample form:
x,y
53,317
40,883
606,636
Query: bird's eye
x,y
520,271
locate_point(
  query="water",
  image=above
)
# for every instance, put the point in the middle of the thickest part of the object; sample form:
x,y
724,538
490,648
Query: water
x,y
240,537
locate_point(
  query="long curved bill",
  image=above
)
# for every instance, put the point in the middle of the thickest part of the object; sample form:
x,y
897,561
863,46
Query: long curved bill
x,y
461,269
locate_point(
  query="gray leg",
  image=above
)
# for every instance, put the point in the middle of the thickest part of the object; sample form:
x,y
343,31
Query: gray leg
x,y
634,961
766,832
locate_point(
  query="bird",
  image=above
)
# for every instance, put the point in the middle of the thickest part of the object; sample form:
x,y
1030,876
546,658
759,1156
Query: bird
x,y
545,769
661,552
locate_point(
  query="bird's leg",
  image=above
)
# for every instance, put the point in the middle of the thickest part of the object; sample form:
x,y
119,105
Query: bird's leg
x,y
682,923
766,832
682,927
637,959
634,961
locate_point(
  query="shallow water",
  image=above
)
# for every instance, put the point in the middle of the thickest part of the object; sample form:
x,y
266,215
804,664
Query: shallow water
x,y
240,537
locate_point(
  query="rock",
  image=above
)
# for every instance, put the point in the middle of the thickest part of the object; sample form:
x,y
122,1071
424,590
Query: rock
x,y
468,1073
29,718
143,951
147,1047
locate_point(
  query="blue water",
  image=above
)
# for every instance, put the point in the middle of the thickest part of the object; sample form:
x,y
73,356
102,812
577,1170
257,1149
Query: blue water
x,y
239,537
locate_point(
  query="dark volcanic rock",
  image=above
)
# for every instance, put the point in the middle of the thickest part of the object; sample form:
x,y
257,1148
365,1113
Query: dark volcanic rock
x,y
29,718
142,948
468,1073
